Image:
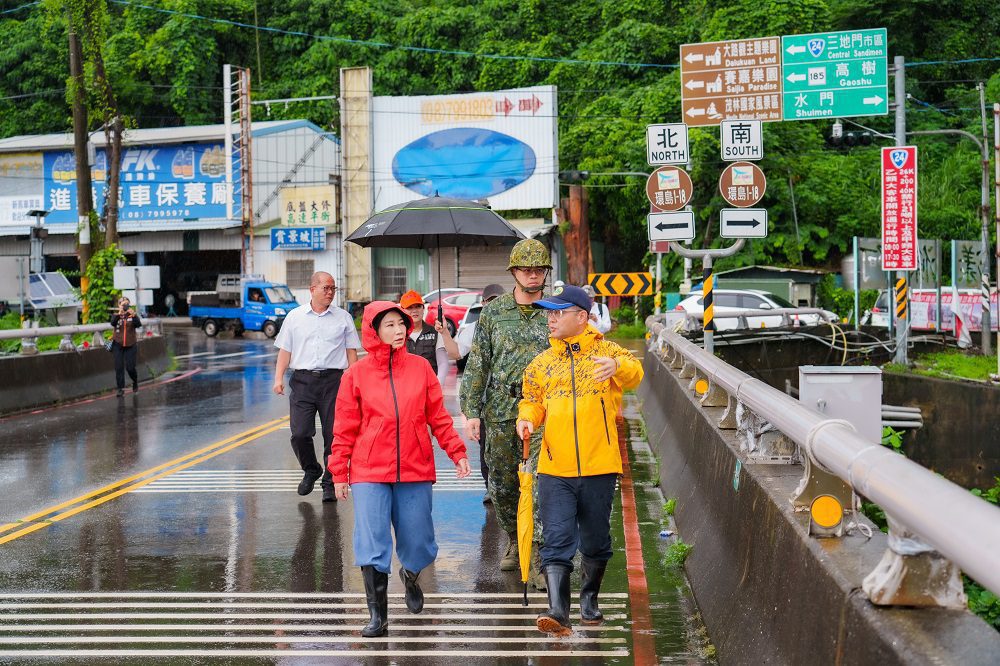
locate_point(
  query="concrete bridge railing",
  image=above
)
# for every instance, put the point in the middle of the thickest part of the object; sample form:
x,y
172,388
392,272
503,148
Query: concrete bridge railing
x,y
928,515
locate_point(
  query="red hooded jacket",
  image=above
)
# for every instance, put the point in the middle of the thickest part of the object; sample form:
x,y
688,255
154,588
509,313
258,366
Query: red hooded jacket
x,y
385,403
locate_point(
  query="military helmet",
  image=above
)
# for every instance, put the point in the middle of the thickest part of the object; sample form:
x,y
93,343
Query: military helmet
x,y
530,253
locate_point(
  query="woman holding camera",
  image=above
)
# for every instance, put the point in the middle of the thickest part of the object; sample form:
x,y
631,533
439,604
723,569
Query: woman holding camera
x,y
124,344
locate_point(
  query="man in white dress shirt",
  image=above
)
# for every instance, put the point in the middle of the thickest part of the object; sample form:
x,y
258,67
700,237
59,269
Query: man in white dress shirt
x,y
599,315
318,342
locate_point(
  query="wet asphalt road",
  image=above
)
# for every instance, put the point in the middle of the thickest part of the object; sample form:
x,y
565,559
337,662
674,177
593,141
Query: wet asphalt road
x,y
165,525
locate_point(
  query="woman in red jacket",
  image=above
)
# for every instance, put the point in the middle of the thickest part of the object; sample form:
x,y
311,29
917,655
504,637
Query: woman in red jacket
x,y
382,450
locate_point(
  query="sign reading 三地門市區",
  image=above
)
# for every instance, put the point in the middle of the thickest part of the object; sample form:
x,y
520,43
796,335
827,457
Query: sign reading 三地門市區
x,y
670,226
669,188
835,74
899,208
667,144
743,222
298,238
733,79
741,140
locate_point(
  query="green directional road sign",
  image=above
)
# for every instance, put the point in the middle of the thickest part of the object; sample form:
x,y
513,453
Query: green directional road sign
x,y
835,74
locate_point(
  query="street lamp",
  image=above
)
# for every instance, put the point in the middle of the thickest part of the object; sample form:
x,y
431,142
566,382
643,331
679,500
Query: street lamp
x,y
38,233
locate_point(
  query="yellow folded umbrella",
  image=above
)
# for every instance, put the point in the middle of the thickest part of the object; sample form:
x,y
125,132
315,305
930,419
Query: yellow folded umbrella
x,y
525,522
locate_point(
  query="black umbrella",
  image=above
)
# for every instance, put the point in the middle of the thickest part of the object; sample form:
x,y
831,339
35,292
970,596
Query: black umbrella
x,y
435,222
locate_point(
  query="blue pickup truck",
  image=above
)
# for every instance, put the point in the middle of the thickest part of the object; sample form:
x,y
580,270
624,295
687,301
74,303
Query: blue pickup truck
x,y
242,303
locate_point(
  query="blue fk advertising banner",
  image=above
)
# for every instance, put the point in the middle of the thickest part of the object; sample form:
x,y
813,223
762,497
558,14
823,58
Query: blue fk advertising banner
x,y
185,181
298,238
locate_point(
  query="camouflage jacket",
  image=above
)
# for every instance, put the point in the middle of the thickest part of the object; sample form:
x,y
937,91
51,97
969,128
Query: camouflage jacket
x,y
505,343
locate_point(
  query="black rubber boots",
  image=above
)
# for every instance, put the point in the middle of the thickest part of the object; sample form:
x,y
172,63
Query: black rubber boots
x,y
591,575
377,594
414,595
556,619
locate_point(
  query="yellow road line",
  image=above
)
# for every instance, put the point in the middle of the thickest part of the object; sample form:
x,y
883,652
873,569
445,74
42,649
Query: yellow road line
x,y
207,452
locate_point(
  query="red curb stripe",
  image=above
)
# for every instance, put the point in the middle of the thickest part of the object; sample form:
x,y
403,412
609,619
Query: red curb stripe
x,y
643,645
86,401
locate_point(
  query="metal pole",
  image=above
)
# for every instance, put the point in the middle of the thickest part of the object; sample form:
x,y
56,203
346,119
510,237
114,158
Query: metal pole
x,y
985,213
996,184
900,99
707,322
857,286
706,257
939,322
658,297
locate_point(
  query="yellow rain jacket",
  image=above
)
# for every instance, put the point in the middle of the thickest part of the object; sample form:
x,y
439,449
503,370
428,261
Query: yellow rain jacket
x,y
579,412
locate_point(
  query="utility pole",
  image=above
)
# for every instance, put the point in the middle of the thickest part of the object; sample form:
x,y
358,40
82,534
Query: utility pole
x,y
84,202
996,184
902,327
985,213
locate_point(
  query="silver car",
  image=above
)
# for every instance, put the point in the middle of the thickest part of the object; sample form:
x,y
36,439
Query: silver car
x,y
729,304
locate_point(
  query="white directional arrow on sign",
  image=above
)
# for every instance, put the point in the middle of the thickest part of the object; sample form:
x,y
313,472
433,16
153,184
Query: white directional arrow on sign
x,y
671,226
876,100
794,78
694,57
743,222
693,112
793,49
692,84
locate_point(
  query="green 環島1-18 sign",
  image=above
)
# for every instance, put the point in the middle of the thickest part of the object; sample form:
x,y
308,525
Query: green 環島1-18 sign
x,y
835,74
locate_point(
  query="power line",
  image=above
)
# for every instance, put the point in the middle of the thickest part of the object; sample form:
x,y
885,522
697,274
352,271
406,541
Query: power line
x,y
17,9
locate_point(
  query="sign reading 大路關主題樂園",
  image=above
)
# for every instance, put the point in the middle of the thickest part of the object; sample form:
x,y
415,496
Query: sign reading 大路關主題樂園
x,y
835,74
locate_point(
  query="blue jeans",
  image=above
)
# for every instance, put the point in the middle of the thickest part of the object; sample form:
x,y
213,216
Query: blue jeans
x,y
575,512
383,508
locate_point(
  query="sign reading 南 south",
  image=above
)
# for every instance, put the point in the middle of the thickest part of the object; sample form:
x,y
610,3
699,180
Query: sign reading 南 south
x,y
742,184
669,188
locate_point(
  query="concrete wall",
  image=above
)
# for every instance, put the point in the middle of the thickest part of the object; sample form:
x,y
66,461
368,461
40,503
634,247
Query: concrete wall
x,y
768,592
50,377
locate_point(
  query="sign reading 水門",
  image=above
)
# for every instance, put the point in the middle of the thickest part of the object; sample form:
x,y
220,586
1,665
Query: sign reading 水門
x,y
731,80
835,74
899,208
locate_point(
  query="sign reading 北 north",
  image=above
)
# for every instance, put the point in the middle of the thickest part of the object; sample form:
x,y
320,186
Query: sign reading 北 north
x,y
737,79
669,188
742,184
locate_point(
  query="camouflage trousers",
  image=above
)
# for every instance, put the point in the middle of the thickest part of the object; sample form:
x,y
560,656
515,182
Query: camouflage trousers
x,y
503,454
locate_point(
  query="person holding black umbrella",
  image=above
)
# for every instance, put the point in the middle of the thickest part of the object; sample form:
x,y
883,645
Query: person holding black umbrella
x,y
509,334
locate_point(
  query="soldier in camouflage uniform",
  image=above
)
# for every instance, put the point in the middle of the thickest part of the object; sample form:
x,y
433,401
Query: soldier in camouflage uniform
x,y
509,334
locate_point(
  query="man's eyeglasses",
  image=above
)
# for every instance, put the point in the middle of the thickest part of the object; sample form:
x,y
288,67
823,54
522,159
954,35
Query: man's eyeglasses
x,y
531,270
332,290
558,314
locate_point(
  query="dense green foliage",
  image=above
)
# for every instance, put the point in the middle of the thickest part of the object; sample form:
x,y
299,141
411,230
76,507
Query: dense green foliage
x,y
101,294
166,68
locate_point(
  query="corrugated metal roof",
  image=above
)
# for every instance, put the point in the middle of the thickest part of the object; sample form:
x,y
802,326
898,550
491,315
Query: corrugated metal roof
x,y
163,135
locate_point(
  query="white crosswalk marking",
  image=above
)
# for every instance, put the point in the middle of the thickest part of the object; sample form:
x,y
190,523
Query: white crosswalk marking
x,y
270,480
471,625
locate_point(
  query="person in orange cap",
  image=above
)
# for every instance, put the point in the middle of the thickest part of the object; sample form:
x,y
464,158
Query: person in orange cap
x,y
434,343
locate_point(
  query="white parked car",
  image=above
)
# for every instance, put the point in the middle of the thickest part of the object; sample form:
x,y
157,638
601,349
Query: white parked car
x,y
466,331
729,303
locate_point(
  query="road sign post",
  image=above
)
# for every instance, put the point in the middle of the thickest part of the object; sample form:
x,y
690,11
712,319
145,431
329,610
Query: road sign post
x,y
706,257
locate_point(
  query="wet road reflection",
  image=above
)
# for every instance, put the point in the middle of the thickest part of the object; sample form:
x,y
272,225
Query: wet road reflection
x,y
214,553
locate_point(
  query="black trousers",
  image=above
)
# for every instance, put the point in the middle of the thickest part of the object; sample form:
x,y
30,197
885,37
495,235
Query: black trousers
x,y
312,393
576,513
125,361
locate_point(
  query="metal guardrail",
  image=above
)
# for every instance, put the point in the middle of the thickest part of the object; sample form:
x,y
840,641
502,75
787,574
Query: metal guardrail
x,y
788,316
922,507
149,327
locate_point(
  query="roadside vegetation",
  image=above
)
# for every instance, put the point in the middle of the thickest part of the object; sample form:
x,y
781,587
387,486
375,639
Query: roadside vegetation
x,y
951,364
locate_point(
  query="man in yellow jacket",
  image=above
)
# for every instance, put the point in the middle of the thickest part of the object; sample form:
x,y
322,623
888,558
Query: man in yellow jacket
x,y
575,388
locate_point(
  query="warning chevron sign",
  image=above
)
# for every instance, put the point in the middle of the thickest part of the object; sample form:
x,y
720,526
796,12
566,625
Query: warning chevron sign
x,y
621,284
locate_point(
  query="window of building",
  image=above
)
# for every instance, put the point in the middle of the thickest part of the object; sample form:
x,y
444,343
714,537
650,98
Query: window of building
x,y
391,281
298,272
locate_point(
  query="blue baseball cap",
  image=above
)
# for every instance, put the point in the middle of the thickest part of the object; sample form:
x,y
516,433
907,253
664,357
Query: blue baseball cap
x,y
566,297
